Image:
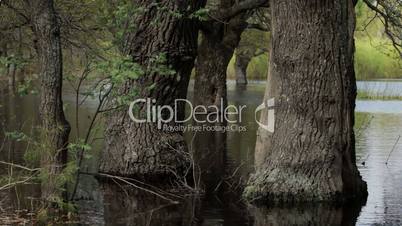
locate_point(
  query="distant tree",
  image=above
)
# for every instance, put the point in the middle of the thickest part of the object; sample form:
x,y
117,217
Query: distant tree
x,y
14,42
54,126
220,35
253,43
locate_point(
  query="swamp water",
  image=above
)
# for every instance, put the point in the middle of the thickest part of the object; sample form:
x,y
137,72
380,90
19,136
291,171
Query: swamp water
x,y
379,123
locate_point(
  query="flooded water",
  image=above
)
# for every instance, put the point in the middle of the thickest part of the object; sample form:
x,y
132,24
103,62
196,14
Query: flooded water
x,y
379,124
381,87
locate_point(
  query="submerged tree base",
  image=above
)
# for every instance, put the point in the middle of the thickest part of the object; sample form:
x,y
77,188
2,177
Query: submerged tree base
x,y
284,186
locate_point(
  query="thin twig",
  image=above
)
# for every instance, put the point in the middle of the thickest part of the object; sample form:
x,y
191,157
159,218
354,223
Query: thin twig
x,y
20,166
12,184
137,186
393,148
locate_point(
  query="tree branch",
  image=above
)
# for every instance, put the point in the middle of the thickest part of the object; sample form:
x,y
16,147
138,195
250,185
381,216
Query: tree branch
x,y
14,26
16,10
391,19
236,9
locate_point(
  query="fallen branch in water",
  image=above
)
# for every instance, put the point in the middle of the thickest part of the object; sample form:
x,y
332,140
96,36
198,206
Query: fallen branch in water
x,y
393,148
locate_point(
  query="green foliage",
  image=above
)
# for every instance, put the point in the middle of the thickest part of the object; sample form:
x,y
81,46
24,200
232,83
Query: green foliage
x,y
360,9
67,175
80,145
257,69
116,16
33,156
201,14
17,136
120,69
254,44
374,59
258,66
26,88
17,61
159,65
253,41
76,148
362,122
162,9
3,65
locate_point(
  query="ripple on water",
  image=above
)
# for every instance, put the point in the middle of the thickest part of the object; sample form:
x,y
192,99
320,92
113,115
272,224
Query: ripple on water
x,y
384,204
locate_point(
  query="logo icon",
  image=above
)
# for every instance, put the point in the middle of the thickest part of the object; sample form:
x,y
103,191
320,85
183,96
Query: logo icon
x,y
269,105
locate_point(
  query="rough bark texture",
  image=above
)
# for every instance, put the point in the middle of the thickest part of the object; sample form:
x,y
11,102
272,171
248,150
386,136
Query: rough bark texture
x,y
141,148
55,128
311,154
219,41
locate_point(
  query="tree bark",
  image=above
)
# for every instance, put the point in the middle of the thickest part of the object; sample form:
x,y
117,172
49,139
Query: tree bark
x,y
215,51
55,128
310,155
135,149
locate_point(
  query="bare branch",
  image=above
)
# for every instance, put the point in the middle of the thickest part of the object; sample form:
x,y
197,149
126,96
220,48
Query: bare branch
x,y
240,7
390,15
16,10
14,26
19,166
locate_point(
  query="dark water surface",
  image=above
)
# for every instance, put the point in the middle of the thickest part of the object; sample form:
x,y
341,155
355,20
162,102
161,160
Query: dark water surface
x,y
230,156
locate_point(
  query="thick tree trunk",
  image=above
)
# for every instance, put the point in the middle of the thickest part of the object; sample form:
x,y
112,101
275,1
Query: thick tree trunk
x,y
241,65
310,155
215,51
55,128
141,148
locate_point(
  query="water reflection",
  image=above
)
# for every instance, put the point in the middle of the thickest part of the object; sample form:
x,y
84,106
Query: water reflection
x,y
209,149
374,146
124,206
381,87
306,215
